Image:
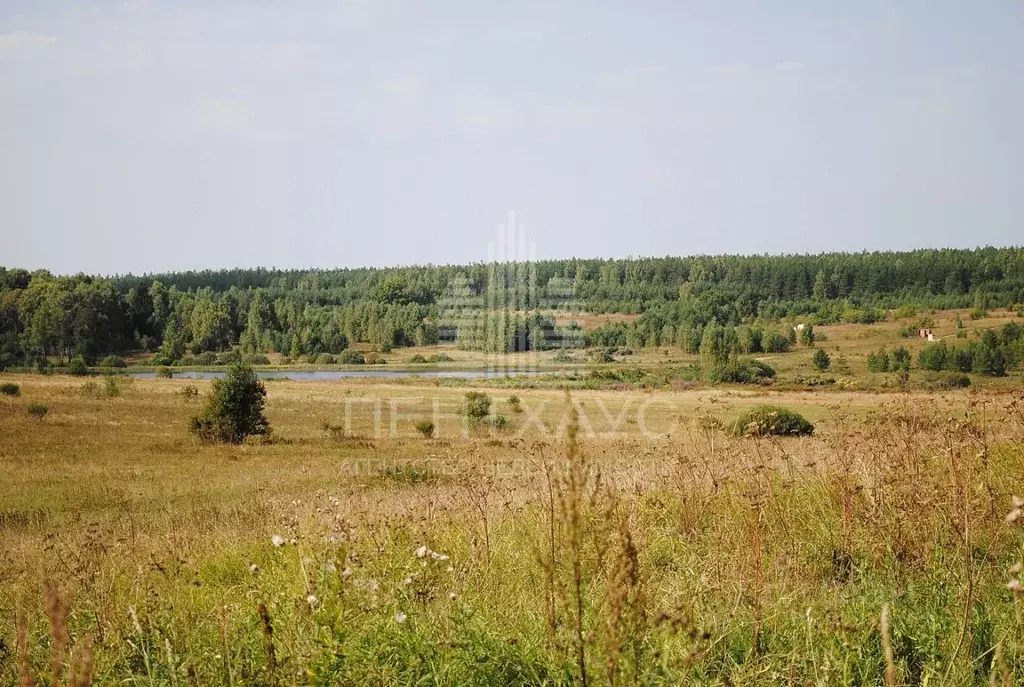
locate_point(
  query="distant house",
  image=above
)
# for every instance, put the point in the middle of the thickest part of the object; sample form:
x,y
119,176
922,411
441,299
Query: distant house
x,y
925,334
799,327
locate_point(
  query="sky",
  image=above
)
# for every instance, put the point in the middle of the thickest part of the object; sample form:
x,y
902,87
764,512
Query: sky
x,y
149,135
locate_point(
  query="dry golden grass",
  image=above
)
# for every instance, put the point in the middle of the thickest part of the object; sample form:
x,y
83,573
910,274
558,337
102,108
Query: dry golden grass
x,y
653,549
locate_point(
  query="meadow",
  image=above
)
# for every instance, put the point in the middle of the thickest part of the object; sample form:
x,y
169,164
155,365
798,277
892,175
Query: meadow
x,y
607,537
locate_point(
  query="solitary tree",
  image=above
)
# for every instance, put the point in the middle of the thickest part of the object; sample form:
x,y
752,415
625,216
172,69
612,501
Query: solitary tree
x,y
822,360
234,409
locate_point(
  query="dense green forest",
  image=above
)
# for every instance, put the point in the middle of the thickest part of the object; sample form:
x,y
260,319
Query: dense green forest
x,y
506,307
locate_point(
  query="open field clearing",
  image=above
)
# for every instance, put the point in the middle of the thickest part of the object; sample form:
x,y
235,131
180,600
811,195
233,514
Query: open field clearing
x,y
655,549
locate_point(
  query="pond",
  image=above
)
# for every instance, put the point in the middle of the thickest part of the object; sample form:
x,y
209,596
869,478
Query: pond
x,y
328,375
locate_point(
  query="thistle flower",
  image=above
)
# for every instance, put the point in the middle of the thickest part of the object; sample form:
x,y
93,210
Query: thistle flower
x,y
278,541
400,617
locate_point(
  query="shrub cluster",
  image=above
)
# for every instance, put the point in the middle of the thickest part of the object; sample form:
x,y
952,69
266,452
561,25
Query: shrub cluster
x,y
772,420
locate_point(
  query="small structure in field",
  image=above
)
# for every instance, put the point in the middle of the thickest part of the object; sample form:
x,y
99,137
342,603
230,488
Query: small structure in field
x,y
925,334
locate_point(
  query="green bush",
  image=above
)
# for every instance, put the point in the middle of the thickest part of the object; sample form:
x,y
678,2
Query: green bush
x,y
10,389
375,359
325,359
499,422
440,358
351,357
234,408
949,380
878,362
205,358
747,371
901,359
417,359
77,367
112,389
257,359
514,404
163,361
113,361
776,342
477,405
228,358
38,410
426,428
165,372
769,419
822,360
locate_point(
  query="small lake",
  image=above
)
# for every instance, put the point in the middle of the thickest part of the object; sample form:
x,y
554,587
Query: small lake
x,y
328,375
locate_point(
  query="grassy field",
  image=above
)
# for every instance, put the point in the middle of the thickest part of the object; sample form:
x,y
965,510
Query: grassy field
x,y
648,547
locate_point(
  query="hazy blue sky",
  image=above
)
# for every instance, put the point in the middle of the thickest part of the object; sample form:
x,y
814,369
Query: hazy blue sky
x,y
151,135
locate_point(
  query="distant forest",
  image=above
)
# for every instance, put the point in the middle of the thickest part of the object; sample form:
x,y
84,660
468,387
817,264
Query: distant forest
x,y
503,307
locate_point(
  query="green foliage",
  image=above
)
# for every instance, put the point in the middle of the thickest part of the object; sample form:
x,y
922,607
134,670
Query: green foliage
x,y
822,360
878,361
514,404
752,340
111,386
351,357
746,371
807,335
948,380
499,422
773,420
205,359
10,389
901,359
38,410
113,361
777,342
234,408
417,359
440,358
325,359
165,372
257,359
300,313
373,358
476,405
77,367
426,428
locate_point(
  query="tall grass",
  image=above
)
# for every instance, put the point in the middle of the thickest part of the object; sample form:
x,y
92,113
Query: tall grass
x,y
876,552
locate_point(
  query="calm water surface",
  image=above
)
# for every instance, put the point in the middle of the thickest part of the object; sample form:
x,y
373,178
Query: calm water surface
x,y
327,375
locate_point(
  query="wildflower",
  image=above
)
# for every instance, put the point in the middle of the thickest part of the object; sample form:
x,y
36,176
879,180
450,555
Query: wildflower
x,y
438,556
254,569
311,600
1018,502
452,596
422,551
406,582
330,567
1014,515
346,572
400,617
1015,585
1015,569
277,540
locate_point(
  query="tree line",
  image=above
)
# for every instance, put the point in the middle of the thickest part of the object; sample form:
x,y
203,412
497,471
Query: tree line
x,y
483,306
